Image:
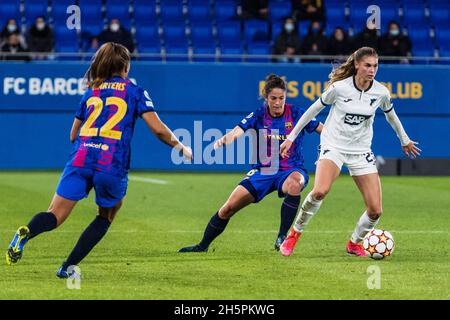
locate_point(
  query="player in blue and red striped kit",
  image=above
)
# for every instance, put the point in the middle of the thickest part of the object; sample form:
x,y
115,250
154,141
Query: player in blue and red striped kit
x,y
273,121
100,159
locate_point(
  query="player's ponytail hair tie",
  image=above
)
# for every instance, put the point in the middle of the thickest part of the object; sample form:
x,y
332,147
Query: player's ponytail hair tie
x,y
273,81
111,59
347,69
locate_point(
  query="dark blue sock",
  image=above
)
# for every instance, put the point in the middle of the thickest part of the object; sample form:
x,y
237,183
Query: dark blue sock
x,y
289,210
214,228
42,222
90,237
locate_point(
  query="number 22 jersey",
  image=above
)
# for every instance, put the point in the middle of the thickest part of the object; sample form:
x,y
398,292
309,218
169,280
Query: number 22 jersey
x,y
108,114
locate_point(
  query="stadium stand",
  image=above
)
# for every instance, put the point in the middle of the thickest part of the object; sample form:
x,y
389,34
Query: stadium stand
x,y
213,27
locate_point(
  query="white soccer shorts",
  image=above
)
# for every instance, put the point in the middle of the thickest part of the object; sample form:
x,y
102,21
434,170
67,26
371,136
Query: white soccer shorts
x,y
357,164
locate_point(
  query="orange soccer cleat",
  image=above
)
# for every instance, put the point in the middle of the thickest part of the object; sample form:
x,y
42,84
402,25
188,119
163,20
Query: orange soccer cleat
x,y
289,243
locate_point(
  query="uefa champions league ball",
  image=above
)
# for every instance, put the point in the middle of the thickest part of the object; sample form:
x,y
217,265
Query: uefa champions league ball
x,y
378,244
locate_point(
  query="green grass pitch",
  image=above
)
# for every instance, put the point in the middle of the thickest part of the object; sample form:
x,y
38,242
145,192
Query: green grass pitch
x,y
138,258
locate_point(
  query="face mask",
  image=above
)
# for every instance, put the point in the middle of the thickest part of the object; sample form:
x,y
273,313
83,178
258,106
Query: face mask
x,y
12,27
114,27
40,26
394,32
289,27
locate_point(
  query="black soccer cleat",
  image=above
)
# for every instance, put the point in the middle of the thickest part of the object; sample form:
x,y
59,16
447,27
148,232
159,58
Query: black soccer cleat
x,y
195,248
279,241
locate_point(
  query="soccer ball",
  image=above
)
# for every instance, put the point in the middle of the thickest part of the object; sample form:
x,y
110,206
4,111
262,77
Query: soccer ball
x,y
378,244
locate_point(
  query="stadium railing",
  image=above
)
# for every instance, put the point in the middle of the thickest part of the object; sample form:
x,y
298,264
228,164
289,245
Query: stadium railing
x,y
218,57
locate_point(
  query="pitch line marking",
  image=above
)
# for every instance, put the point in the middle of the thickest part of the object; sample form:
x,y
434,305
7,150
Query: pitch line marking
x,y
148,180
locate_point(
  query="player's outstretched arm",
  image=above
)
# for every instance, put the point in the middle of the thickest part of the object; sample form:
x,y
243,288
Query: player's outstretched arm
x,y
409,147
75,128
230,137
163,133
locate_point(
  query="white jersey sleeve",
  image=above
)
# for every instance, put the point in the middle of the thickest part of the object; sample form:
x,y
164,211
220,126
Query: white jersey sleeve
x,y
386,102
329,96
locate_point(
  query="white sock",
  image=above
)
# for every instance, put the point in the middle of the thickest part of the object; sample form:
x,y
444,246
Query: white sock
x,y
363,227
309,208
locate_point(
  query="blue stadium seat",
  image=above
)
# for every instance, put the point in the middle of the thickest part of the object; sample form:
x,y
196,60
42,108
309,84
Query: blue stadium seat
x,y
175,35
414,14
225,10
229,34
207,54
64,35
149,51
172,11
33,9
120,12
231,54
10,10
419,34
91,30
148,36
443,37
262,51
91,14
199,10
145,12
180,53
279,11
202,35
440,14
256,30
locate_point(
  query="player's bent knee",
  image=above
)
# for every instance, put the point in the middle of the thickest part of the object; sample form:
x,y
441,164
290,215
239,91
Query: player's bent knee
x,y
374,213
295,187
227,211
320,194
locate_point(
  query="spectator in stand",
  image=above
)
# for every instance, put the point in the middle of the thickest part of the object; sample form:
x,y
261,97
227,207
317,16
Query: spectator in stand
x,y
255,9
40,38
393,43
115,33
13,50
315,42
11,27
313,10
287,44
339,44
369,37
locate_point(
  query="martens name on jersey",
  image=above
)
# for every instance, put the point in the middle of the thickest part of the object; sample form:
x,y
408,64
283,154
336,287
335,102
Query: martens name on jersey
x,y
355,119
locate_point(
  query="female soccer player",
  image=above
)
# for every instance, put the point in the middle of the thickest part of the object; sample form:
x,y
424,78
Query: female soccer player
x,y
353,95
101,136
275,120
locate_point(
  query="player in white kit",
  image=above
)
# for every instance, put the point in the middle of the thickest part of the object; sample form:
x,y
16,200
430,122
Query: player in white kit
x,y
354,96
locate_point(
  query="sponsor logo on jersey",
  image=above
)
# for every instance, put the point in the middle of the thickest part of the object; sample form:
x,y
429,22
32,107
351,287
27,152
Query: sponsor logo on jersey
x,y
372,101
102,146
355,119
348,100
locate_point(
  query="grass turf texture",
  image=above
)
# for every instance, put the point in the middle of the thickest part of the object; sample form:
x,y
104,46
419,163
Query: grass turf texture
x,y
138,258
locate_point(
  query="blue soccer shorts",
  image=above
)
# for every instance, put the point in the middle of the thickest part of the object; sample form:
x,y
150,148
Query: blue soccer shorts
x,y
260,185
76,183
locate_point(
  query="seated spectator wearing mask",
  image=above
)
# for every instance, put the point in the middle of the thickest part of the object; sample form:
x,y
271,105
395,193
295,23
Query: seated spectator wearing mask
x,y
395,44
314,43
115,33
40,38
339,43
10,28
287,44
12,49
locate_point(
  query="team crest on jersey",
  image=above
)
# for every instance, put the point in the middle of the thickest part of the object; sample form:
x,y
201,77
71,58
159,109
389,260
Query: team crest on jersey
x,y
372,101
355,119
288,125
